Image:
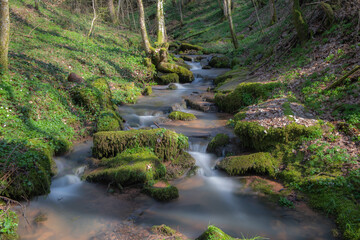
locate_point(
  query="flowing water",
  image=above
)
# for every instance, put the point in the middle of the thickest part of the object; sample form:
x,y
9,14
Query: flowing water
x,y
79,210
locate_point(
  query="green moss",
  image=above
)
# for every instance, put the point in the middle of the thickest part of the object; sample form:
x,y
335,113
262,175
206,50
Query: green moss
x,y
240,115
172,86
162,194
220,62
167,144
147,91
301,26
30,170
109,121
258,163
177,115
244,95
163,230
168,78
220,140
252,135
186,47
287,109
185,75
132,166
214,233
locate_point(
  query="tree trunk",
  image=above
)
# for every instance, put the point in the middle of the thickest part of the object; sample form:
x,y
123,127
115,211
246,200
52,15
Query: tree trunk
x,y
112,11
272,12
94,18
233,33
4,35
225,8
37,5
181,13
132,15
301,26
161,31
143,28
128,13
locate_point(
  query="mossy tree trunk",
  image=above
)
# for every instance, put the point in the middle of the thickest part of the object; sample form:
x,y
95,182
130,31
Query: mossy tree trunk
x,y
112,11
143,28
272,12
4,35
301,26
229,17
161,30
329,12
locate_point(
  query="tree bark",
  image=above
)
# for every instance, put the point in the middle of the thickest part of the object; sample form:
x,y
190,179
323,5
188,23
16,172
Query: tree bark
x,y
161,30
233,33
132,15
4,35
112,11
225,8
143,28
301,26
94,18
181,13
272,12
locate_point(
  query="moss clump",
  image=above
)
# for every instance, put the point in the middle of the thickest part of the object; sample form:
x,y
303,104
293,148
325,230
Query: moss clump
x,y
214,233
240,115
94,96
220,140
185,75
245,94
163,230
188,47
30,170
168,78
147,91
220,62
177,115
258,163
167,144
162,194
133,166
254,136
109,121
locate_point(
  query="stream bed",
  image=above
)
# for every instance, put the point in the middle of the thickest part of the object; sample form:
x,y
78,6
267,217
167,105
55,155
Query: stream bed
x,y
79,210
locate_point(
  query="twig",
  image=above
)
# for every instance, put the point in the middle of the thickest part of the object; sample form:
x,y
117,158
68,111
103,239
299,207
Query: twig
x,y
314,3
343,78
157,125
34,29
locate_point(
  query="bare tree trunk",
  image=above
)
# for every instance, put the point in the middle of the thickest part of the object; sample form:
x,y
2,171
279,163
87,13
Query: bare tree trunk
x,y
143,28
225,9
181,13
94,18
118,8
272,12
132,15
112,11
161,30
128,13
4,35
257,16
233,33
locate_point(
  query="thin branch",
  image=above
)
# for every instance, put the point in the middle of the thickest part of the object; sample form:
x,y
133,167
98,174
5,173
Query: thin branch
x,y
93,21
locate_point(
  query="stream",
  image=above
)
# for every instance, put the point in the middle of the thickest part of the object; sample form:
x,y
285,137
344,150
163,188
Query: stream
x,y
80,210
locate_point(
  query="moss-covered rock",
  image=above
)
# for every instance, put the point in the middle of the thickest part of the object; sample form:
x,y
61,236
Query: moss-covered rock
x,y
187,47
214,233
94,96
168,78
186,58
244,95
162,193
220,62
219,141
109,121
167,145
257,163
29,170
177,115
163,230
172,86
185,75
147,91
133,166
254,136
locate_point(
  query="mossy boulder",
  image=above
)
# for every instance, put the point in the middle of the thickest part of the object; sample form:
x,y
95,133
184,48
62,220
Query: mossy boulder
x,y
245,94
133,166
167,145
162,193
168,78
186,58
214,233
147,91
258,163
219,141
109,121
29,169
188,47
254,136
177,115
172,86
185,75
94,96
220,62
